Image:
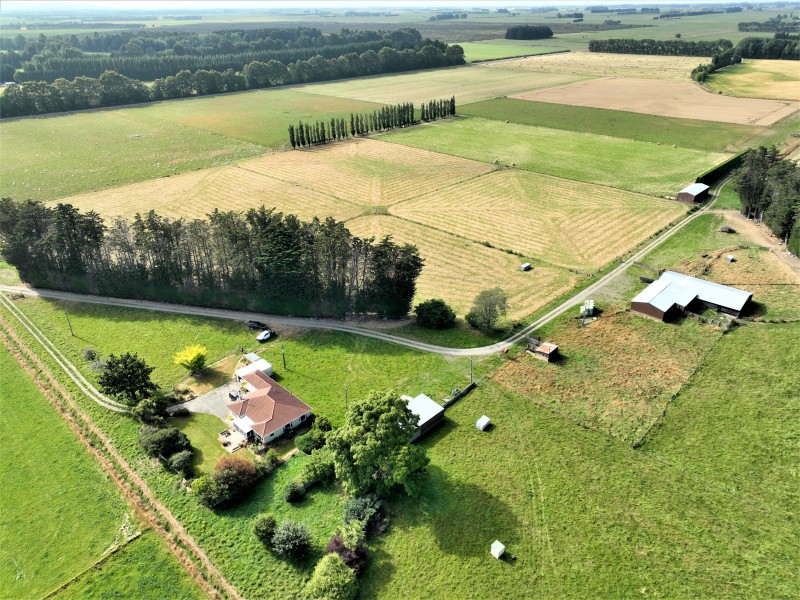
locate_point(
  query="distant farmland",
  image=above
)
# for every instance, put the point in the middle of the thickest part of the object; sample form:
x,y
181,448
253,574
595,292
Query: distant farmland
x,y
616,162
563,222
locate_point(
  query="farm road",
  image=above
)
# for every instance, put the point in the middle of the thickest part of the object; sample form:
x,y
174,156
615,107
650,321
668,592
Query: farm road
x,y
333,325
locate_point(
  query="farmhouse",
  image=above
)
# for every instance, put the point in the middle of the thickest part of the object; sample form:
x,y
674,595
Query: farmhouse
x,y
674,293
267,410
429,413
693,193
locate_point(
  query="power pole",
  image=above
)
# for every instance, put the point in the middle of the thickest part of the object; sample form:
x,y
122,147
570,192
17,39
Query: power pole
x,y
72,333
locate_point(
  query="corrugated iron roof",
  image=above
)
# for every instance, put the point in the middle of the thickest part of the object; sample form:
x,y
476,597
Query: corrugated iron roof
x,y
694,189
676,288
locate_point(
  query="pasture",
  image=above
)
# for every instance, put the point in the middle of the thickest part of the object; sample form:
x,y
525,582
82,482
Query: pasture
x,y
51,157
615,162
497,49
468,83
367,172
601,64
194,195
681,99
52,528
457,269
775,79
566,223
686,133
144,568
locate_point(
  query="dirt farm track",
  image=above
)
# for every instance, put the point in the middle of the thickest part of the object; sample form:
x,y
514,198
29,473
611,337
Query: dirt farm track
x,y
682,99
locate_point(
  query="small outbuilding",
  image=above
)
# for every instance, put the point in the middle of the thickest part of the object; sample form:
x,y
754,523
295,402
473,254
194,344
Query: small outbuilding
x,y
498,549
429,413
525,267
483,423
693,193
259,365
546,351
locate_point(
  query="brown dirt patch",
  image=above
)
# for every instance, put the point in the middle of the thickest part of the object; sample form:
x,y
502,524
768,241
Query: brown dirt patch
x,y
681,99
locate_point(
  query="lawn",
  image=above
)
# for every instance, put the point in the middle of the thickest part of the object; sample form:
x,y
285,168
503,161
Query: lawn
x,y
143,569
52,157
776,79
685,133
615,162
468,83
585,515
53,526
202,430
495,49
560,222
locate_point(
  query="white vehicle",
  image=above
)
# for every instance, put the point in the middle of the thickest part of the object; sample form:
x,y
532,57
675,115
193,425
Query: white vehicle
x,y
263,336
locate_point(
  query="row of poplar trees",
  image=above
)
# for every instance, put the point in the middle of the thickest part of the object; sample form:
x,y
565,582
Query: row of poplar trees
x,y
258,260
388,117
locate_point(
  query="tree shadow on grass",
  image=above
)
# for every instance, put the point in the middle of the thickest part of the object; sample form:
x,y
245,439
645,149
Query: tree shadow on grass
x,y
464,518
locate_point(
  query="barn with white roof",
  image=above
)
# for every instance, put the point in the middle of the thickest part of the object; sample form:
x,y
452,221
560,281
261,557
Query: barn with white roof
x,y
674,293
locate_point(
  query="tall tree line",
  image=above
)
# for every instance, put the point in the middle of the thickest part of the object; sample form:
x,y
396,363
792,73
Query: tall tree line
x,y
258,260
660,47
528,32
384,119
781,46
114,89
769,188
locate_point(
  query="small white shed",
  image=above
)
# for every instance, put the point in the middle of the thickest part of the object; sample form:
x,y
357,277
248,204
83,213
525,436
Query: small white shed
x,y
259,365
498,549
483,423
525,267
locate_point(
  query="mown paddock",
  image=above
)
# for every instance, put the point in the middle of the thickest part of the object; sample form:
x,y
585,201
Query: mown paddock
x,y
467,83
686,133
775,79
51,157
681,99
52,528
615,162
566,223
457,269
368,172
194,195
498,49
601,64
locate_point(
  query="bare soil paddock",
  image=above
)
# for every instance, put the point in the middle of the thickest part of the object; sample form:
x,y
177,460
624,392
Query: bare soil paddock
x,y
683,99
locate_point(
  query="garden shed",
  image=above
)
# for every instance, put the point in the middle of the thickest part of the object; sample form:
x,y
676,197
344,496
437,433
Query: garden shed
x,y
429,413
693,193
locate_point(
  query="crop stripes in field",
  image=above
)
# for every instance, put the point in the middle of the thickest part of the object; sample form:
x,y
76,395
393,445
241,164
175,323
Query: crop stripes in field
x,y
71,370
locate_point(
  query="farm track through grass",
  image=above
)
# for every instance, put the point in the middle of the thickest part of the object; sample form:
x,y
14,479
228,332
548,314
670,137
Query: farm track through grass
x,y
574,225
625,164
457,269
686,133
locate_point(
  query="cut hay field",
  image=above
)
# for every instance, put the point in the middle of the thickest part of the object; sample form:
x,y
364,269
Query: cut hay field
x,y
686,133
776,79
259,117
496,49
194,195
600,64
570,224
681,99
368,172
467,83
52,157
457,269
626,164
52,528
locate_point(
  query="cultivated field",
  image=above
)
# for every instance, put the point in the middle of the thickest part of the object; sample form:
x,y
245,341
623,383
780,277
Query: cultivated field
x,y
367,172
682,99
52,157
197,194
570,224
686,133
600,64
468,84
615,162
457,269
776,79
53,527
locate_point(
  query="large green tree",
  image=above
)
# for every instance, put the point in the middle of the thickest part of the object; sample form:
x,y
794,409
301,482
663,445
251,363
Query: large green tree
x,y
128,378
488,307
372,453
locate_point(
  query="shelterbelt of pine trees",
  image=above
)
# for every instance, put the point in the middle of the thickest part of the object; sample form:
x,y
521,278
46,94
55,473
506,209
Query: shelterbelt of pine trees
x,y
660,47
259,260
388,117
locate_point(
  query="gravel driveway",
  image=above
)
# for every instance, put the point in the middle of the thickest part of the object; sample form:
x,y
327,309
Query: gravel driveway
x,y
212,403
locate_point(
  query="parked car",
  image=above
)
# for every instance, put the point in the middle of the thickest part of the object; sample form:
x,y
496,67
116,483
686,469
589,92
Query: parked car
x,y
233,395
264,335
257,325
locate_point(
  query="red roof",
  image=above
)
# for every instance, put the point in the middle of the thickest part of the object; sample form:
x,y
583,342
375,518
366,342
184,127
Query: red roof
x,y
270,406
